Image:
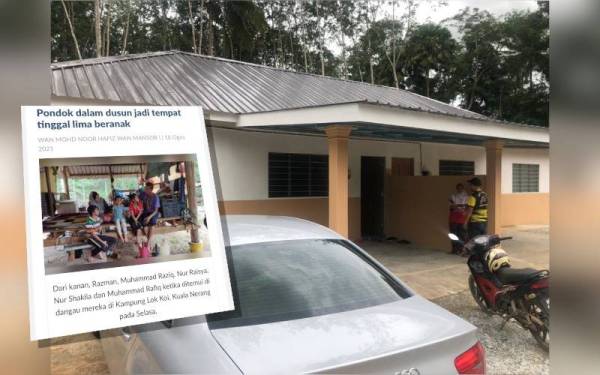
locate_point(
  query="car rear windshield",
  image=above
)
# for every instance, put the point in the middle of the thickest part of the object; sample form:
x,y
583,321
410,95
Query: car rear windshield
x,y
287,280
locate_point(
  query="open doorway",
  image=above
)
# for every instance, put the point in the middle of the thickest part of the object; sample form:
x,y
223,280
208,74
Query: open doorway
x,y
372,179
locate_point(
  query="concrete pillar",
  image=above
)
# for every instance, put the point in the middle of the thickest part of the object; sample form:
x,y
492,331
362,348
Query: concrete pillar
x,y
51,203
66,180
493,152
337,138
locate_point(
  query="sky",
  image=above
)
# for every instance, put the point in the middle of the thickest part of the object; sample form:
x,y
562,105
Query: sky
x,y
497,7
427,13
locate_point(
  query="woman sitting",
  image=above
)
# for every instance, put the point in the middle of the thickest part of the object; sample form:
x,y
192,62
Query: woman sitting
x,y
99,202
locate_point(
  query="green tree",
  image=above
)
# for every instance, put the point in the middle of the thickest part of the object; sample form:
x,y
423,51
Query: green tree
x,y
62,45
480,64
367,16
498,66
344,27
525,41
373,51
502,71
245,29
430,62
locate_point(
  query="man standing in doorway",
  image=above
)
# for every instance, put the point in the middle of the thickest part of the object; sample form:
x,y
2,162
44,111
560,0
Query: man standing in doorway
x,y
456,218
477,212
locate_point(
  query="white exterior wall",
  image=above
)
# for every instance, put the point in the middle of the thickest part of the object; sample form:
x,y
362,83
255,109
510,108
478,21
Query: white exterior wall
x,y
434,152
358,148
525,156
431,153
242,163
242,159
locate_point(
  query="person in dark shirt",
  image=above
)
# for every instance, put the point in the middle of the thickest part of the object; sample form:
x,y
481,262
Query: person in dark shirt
x,y
477,209
150,215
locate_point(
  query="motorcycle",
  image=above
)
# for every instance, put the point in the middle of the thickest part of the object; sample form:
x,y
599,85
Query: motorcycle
x,y
520,294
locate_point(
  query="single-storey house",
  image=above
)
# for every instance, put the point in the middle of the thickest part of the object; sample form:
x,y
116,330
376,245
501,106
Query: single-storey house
x,y
369,161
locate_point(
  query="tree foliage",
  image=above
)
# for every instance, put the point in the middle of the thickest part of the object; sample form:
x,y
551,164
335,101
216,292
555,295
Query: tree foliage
x,y
494,65
430,62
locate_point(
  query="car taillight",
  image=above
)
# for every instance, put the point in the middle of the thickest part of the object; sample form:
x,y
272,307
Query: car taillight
x,y
472,361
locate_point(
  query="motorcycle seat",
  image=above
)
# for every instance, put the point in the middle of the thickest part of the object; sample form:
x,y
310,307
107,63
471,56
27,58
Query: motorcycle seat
x,y
508,275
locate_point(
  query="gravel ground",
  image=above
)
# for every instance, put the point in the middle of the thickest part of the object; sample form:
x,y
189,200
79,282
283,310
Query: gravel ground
x,y
77,354
509,351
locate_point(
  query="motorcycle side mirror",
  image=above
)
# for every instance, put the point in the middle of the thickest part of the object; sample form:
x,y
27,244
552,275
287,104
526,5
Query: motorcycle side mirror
x,y
453,237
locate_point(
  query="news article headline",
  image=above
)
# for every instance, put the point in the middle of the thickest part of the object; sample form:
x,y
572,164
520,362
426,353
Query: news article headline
x,y
66,299
118,122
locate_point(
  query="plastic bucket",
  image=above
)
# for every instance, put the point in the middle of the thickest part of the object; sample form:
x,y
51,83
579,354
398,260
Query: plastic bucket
x,y
196,247
144,251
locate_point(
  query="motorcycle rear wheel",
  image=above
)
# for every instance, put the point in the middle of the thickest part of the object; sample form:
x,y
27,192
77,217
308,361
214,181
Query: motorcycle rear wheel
x,y
478,296
540,308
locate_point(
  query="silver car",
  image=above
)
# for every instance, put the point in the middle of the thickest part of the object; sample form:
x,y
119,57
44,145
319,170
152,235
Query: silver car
x,y
307,301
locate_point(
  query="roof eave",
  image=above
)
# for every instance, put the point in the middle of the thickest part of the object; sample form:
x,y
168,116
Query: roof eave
x,y
365,113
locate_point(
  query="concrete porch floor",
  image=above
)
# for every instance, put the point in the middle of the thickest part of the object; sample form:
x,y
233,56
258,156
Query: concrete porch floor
x,y
434,273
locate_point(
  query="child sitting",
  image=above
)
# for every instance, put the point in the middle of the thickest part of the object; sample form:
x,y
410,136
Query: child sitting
x,y
103,244
136,208
118,212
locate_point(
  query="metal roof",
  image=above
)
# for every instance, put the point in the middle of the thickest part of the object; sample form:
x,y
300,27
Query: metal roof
x,y
221,85
103,170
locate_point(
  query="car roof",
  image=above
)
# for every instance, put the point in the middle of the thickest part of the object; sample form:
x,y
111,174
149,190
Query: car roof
x,y
247,229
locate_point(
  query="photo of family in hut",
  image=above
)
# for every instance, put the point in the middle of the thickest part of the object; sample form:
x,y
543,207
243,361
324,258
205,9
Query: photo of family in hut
x,y
122,210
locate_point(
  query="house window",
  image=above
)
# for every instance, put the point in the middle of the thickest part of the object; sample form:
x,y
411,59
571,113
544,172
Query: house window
x,y
298,175
526,178
457,168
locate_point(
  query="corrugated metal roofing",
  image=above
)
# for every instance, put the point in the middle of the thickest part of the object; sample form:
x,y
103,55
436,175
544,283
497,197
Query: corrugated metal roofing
x,y
103,170
221,85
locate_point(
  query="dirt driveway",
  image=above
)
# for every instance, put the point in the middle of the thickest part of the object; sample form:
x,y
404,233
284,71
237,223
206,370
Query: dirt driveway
x,y
442,278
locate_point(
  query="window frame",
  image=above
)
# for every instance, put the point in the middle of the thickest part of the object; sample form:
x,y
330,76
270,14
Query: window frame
x,y
290,189
461,168
525,186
